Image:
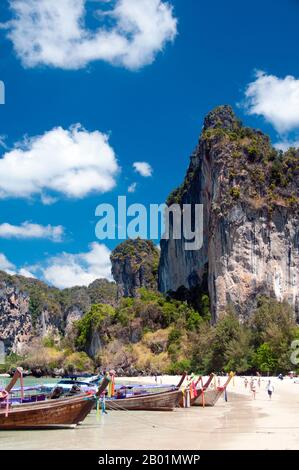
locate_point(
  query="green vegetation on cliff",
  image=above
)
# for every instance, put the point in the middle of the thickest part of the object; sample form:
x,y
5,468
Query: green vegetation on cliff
x,y
95,319
148,332
154,333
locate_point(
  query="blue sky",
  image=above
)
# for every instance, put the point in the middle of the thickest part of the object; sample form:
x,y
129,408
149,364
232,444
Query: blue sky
x,y
152,108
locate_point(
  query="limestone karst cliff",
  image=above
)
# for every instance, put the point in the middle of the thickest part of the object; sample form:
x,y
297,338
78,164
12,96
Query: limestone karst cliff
x,y
135,265
15,319
29,308
250,194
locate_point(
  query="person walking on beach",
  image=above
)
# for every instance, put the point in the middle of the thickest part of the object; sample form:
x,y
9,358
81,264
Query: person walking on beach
x,y
259,382
246,382
253,388
270,389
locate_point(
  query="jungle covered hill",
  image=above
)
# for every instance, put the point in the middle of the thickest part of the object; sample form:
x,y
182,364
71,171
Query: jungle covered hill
x,y
154,334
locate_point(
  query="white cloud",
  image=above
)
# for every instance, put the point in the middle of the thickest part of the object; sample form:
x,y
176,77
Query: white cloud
x,y
48,200
68,270
276,99
72,162
25,273
29,230
6,265
132,188
10,268
286,144
143,168
54,33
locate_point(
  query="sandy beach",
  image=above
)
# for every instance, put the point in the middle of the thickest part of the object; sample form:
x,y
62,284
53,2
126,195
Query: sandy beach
x,y
240,423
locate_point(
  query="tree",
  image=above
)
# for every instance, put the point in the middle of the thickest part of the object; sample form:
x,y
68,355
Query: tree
x,y
227,332
274,324
264,359
239,352
99,317
270,319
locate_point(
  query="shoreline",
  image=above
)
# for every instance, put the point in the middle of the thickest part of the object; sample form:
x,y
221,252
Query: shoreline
x,y
240,423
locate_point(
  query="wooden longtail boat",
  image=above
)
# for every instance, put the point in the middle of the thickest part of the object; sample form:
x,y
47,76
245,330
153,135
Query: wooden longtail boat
x,y
199,390
161,401
211,396
61,412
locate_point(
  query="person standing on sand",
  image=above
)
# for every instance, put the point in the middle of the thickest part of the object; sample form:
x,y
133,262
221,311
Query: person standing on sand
x,y
253,388
246,382
259,382
270,389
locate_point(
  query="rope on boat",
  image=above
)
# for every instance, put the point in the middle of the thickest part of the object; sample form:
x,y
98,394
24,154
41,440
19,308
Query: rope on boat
x,y
118,407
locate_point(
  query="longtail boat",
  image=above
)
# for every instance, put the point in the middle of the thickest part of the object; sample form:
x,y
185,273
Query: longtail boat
x,y
211,396
69,386
60,412
198,390
161,401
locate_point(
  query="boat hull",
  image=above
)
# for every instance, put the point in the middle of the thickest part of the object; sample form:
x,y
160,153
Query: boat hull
x,y
163,401
51,413
209,398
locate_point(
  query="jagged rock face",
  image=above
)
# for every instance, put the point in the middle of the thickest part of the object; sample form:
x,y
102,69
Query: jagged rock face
x,y
135,265
16,326
95,345
74,314
250,228
178,266
29,308
15,320
251,255
48,325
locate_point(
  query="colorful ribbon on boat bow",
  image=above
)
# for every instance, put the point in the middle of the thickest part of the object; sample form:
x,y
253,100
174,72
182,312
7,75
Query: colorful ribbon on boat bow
x,y
111,386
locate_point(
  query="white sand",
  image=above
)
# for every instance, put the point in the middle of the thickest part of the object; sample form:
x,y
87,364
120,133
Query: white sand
x,y
244,423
